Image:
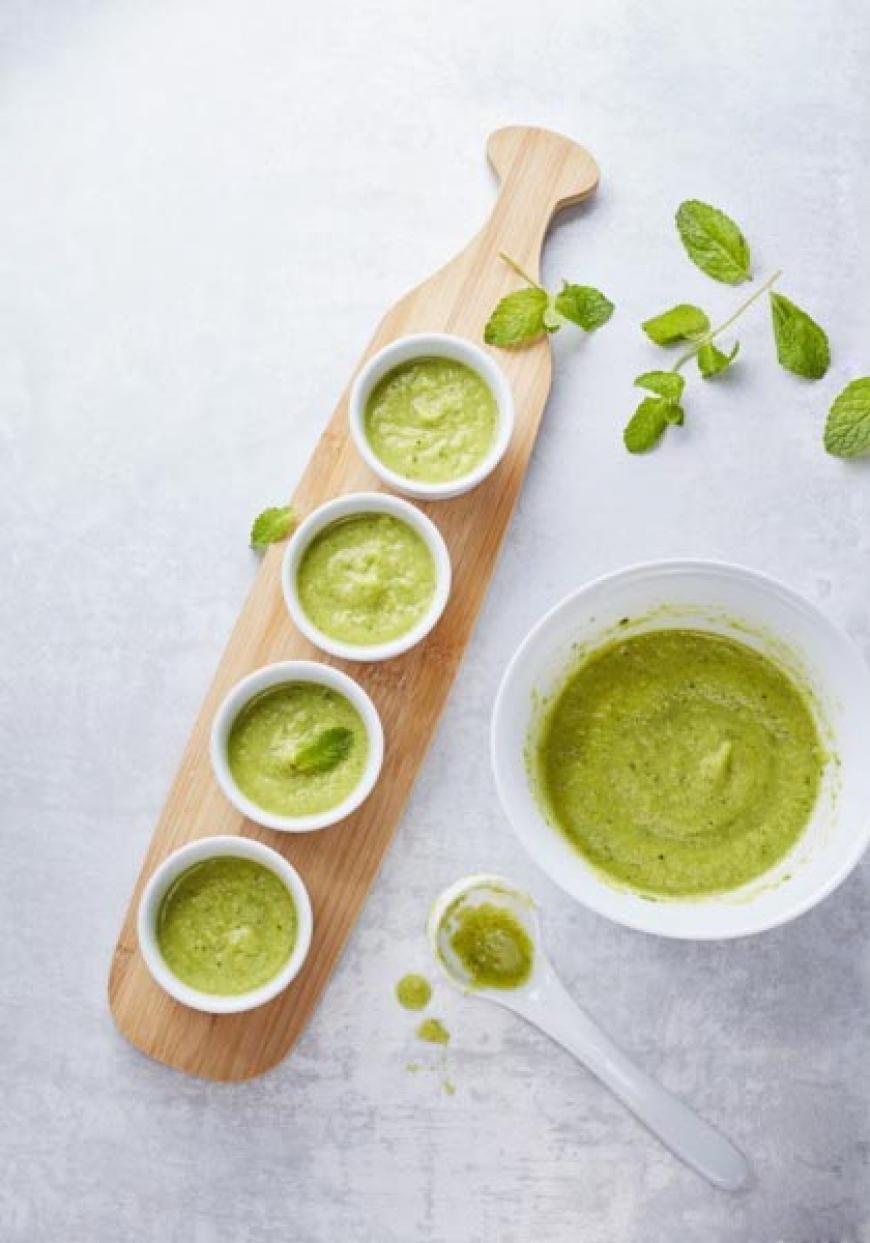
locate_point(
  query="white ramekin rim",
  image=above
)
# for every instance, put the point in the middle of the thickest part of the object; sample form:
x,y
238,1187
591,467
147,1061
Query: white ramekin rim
x,y
579,879
169,870
440,345
274,675
345,507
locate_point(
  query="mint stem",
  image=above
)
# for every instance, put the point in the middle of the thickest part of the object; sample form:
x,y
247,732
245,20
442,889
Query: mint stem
x,y
712,333
512,263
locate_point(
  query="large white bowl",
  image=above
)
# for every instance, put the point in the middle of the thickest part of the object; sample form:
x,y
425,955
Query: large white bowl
x,y
756,610
431,345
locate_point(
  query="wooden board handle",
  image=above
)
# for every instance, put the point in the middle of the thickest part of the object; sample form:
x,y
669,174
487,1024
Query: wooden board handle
x,y
540,173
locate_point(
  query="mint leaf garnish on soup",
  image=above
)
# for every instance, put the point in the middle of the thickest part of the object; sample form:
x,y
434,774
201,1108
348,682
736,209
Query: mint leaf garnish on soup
x,y
325,752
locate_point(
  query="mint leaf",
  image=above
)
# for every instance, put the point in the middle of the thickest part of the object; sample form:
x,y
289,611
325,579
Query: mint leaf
x,y
518,318
272,525
711,360
801,345
682,322
647,425
847,431
665,383
713,242
325,752
583,305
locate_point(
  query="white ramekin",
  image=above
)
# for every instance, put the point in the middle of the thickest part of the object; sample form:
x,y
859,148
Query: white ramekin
x,y
345,507
751,608
274,675
155,890
428,345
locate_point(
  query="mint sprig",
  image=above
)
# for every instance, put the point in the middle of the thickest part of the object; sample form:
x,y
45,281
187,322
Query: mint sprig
x,y
526,315
717,246
647,426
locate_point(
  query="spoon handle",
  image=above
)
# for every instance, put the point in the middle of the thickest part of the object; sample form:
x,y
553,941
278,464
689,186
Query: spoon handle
x,y
687,1135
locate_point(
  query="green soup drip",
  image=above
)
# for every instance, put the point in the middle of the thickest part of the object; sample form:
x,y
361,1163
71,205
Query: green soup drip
x,y
366,579
270,744
431,419
680,763
413,992
492,945
227,925
433,1031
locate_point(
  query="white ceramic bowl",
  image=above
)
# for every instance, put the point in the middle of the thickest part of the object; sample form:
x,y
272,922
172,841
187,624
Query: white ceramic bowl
x,y
169,870
274,675
345,507
756,610
429,345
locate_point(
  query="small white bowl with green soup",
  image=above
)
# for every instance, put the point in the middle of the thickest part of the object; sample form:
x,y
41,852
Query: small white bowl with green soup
x,y
682,745
224,924
297,746
366,576
432,415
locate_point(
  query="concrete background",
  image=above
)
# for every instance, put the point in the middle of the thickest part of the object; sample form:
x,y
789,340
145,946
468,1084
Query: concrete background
x,y
204,207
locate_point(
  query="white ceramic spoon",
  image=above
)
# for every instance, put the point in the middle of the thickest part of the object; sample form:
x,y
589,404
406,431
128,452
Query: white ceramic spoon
x,y
543,1001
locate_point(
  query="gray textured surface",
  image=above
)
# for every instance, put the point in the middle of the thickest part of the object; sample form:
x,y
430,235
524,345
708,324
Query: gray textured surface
x,y
203,209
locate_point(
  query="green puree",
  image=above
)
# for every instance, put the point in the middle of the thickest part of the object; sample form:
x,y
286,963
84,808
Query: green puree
x,y
413,992
679,762
433,1031
268,742
366,579
227,925
492,946
432,419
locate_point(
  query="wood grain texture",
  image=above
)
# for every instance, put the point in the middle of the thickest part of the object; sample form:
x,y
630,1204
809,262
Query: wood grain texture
x,y
539,172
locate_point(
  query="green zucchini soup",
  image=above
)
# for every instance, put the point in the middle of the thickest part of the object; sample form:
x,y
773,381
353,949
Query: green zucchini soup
x,y
432,419
297,748
679,763
492,946
227,925
366,579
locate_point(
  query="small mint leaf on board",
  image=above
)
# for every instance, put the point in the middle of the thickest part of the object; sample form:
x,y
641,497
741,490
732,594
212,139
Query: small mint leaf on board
x,y
272,525
801,345
713,242
712,361
664,383
682,322
847,430
326,751
647,425
518,318
583,305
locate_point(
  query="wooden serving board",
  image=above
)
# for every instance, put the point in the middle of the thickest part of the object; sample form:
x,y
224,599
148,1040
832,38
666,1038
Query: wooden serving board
x,y
539,172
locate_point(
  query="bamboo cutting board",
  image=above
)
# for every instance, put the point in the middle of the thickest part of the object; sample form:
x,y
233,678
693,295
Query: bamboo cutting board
x,y
539,172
